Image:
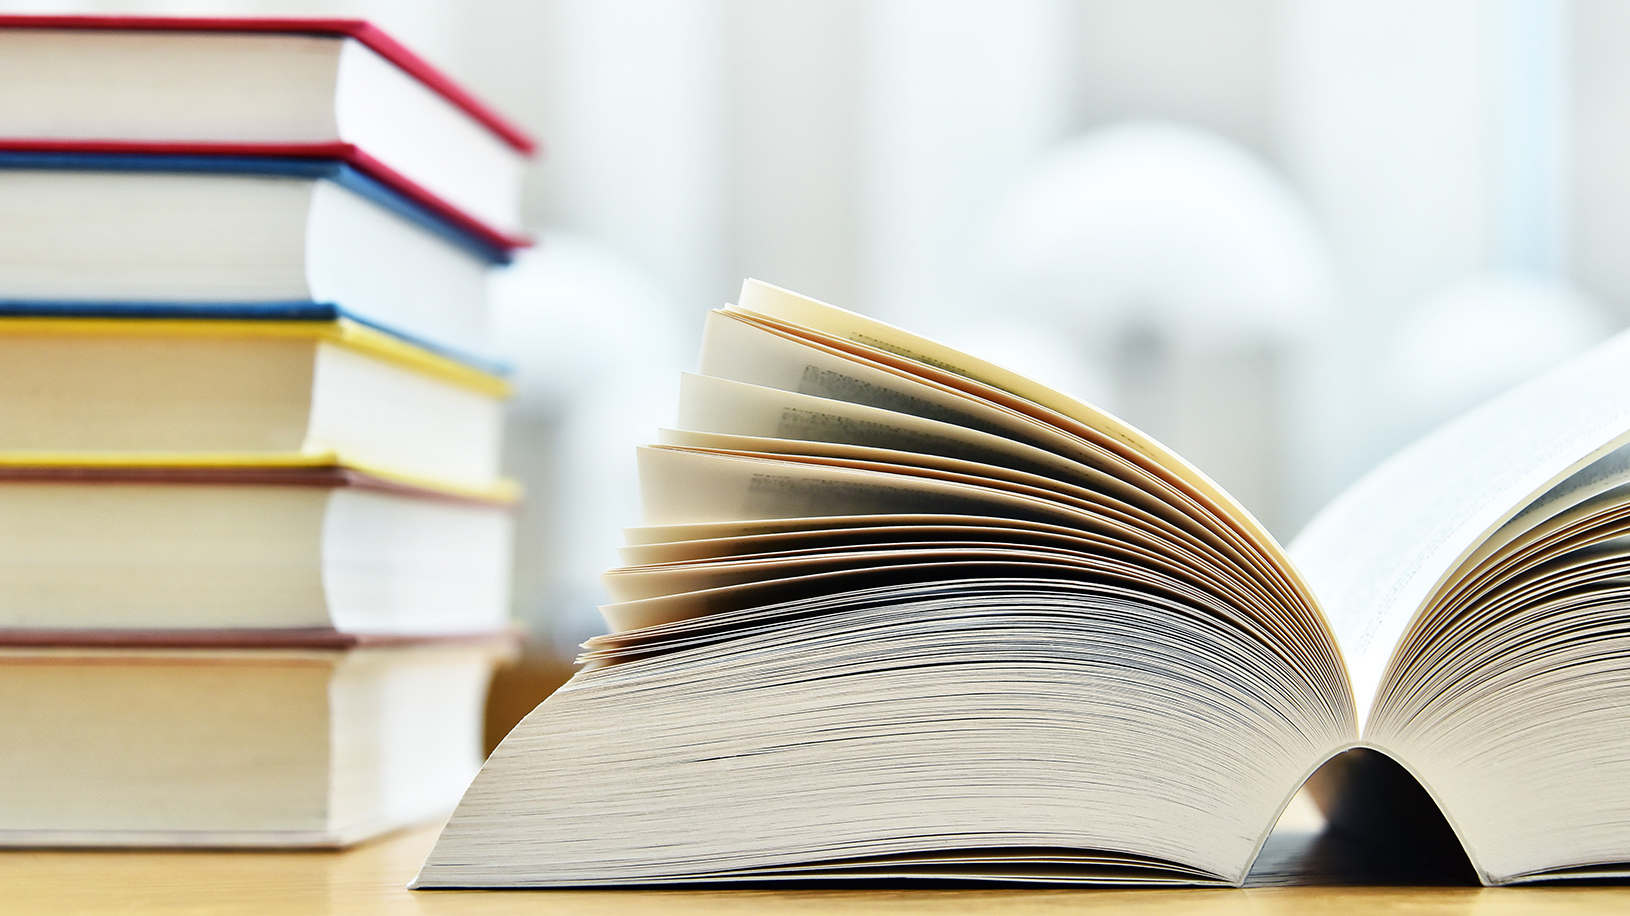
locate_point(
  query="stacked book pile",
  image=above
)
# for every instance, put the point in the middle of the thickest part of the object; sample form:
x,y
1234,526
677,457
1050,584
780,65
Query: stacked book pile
x,y
254,546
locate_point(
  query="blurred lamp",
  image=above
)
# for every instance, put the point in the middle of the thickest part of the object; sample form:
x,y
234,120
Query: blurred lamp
x,y
1165,225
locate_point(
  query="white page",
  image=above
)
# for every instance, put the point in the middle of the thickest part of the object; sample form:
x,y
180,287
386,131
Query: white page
x,y
855,362
1605,473
1516,540
1101,516
739,351
796,542
765,299
747,528
679,486
1383,548
640,583
718,405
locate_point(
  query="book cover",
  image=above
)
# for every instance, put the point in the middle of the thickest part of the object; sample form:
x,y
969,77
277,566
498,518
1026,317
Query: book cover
x,y
361,30
233,314
443,165
439,218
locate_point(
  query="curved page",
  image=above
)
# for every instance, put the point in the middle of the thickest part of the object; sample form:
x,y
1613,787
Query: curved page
x,y
1379,553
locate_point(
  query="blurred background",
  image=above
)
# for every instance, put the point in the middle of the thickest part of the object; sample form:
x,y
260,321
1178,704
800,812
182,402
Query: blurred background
x,y
1284,236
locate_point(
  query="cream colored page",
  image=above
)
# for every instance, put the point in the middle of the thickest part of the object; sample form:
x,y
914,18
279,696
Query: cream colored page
x,y
735,350
908,528
679,486
1382,549
638,584
667,534
1602,476
739,349
1608,472
717,405
765,299
773,418
1095,512
774,302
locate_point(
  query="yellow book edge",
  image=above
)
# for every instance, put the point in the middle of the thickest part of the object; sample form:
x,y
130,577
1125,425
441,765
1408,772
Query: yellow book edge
x,y
342,332
500,491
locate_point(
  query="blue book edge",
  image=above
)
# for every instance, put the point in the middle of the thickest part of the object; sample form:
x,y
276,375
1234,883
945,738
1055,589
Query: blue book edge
x,y
326,169
292,310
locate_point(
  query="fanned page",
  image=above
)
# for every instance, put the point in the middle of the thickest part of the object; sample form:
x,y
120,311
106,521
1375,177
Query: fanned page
x,y
1384,549
896,612
764,299
1171,477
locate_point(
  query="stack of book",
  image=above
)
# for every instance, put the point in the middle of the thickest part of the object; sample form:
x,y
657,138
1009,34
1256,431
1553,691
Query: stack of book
x,y
254,545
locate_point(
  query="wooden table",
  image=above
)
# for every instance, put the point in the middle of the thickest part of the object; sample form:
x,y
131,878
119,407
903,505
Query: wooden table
x,y
370,879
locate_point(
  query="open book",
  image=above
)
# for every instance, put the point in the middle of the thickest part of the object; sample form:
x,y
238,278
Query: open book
x,y
900,612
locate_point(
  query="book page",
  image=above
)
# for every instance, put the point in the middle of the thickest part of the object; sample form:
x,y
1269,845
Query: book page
x,y
1385,547
791,343
1603,482
1109,526
786,421
1609,472
763,298
648,535
740,351
681,486
758,297
902,529
719,405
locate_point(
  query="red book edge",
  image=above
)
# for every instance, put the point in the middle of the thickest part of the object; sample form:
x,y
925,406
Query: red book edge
x,y
348,153
361,30
320,638
326,477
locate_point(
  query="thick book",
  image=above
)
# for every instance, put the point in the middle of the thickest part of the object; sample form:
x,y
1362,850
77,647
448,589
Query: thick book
x,y
157,392
235,237
898,612
288,741
102,552
321,88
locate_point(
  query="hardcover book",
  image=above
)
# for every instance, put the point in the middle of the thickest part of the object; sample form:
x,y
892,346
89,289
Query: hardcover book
x,y
293,740
107,552
898,612
321,88
154,392
98,235
254,544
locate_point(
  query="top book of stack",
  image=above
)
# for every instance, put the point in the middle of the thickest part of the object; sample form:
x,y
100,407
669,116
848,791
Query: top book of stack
x,y
312,88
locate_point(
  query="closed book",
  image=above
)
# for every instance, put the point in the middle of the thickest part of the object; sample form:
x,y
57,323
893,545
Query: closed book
x,y
235,742
131,549
209,237
323,88
298,393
